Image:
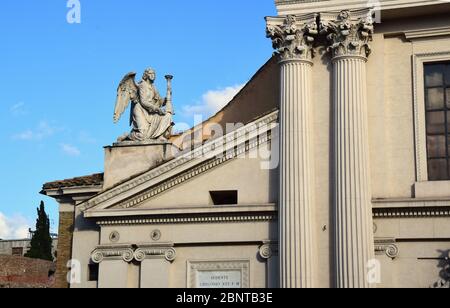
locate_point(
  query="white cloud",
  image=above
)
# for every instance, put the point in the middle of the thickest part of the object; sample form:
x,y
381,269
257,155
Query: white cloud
x,y
15,227
18,109
26,135
70,149
213,100
42,131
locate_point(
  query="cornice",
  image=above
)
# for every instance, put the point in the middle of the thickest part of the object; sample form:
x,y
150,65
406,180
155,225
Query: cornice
x,y
197,215
411,208
425,33
411,212
73,194
391,209
197,219
182,210
287,7
410,202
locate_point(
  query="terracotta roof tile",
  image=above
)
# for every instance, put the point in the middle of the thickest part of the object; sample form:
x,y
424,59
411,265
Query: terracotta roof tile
x,y
90,180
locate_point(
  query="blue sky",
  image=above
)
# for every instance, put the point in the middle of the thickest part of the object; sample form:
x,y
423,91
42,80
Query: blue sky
x,y
58,80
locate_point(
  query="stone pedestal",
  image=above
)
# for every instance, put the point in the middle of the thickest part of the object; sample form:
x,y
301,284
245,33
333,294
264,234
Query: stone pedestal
x,y
128,159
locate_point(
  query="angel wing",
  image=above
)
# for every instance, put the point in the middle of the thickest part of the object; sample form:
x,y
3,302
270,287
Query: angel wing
x,y
126,92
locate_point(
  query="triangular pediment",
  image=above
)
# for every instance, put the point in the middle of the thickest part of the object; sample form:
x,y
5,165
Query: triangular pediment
x,y
142,191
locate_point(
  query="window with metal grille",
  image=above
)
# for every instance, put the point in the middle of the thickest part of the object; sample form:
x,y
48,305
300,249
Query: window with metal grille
x,y
437,102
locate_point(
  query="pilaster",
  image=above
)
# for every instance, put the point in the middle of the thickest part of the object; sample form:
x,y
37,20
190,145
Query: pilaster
x,y
153,260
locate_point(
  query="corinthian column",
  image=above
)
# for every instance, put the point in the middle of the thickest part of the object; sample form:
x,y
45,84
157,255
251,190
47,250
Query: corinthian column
x,y
348,35
293,39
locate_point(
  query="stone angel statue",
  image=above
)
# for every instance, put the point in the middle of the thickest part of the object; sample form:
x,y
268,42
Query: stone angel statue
x,y
151,115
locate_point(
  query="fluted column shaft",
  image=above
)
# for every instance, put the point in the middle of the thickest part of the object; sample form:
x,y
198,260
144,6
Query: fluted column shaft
x,y
293,38
349,34
296,175
353,216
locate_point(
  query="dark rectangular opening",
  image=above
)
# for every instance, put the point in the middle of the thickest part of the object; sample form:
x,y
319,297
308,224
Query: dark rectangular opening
x,y
93,272
17,251
224,197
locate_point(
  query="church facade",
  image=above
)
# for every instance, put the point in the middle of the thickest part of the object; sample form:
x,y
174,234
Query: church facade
x,y
331,168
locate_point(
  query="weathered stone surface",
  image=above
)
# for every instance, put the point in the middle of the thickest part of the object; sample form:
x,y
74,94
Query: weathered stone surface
x,y
128,159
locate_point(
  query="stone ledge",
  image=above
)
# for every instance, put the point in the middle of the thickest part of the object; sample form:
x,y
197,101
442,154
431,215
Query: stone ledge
x,y
137,143
182,211
291,7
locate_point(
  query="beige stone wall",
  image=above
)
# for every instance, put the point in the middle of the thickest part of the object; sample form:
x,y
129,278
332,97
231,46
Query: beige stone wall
x,y
85,239
194,242
417,266
391,122
254,186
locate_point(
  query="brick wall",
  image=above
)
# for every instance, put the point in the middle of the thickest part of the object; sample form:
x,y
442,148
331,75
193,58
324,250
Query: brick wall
x,y
64,251
20,272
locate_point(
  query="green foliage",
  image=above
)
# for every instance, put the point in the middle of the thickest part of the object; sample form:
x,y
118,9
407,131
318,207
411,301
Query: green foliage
x,y
41,243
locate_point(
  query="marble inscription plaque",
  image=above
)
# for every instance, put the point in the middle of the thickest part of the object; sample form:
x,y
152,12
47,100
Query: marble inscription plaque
x,y
218,274
219,279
